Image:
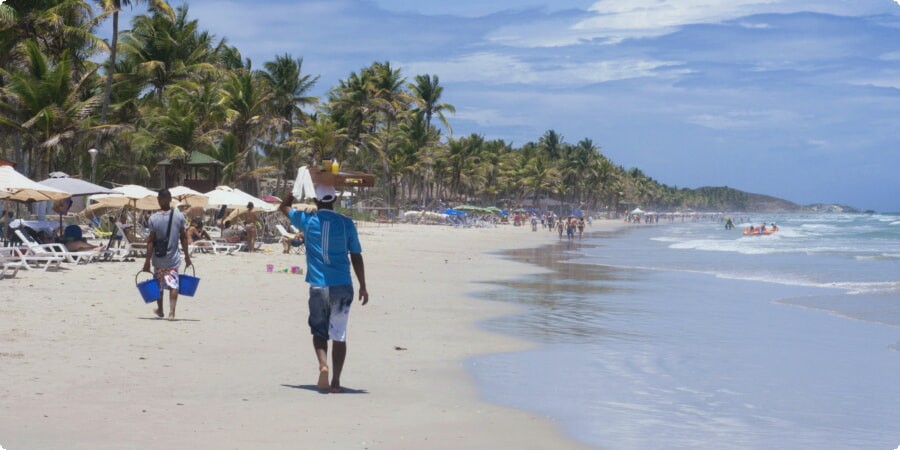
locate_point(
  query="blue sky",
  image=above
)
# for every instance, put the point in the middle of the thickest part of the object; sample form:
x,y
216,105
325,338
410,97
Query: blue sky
x,y
799,99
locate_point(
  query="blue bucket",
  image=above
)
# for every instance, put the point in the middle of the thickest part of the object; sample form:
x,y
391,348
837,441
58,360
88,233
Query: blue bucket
x,y
149,289
187,284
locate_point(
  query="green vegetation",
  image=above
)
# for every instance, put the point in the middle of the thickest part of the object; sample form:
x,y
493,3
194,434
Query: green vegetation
x,y
166,88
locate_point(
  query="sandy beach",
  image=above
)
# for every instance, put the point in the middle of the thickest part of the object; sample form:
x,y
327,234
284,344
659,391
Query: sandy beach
x,y
86,363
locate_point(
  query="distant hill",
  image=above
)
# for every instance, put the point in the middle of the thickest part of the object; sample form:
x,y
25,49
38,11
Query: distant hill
x,y
736,200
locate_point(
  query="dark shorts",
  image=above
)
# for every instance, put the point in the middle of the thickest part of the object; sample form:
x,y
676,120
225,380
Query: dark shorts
x,y
329,310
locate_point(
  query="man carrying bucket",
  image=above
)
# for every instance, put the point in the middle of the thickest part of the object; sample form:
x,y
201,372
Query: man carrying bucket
x,y
166,255
330,238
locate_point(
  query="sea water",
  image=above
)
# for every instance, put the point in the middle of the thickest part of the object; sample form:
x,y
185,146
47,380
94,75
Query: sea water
x,y
687,335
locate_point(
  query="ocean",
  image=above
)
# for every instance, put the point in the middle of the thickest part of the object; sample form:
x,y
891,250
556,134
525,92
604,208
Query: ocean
x,y
686,335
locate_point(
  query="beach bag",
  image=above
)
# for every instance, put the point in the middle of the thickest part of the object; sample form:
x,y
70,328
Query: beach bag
x,y
161,246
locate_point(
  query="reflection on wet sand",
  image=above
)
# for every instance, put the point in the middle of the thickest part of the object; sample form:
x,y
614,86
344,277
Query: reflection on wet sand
x,y
569,302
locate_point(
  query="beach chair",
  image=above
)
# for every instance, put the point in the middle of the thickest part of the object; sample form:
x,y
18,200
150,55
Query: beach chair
x,y
8,265
133,247
214,247
18,255
285,234
55,249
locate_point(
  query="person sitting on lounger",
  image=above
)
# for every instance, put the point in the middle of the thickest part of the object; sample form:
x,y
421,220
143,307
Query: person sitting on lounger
x,y
74,241
295,241
195,232
233,233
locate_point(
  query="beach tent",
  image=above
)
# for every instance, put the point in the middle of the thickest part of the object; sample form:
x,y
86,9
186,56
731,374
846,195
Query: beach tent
x,y
637,211
15,186
234,198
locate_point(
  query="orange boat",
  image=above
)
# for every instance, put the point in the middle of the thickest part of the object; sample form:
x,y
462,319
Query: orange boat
x,y
759,232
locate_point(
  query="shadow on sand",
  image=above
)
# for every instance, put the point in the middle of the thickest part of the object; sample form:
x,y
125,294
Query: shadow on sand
x,y
314,388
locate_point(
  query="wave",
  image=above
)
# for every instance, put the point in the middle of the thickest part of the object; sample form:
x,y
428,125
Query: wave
x,y
849,287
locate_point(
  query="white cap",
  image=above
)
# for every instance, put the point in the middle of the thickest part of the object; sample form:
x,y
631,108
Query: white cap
x,y
325,193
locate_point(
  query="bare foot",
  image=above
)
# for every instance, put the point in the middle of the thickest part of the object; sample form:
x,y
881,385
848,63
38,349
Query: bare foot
x,y
323,378
171,316
337,390
158,312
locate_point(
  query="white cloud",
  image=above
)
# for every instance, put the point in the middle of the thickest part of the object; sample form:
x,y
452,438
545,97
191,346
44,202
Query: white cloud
x,y
615,20
732,120
495,68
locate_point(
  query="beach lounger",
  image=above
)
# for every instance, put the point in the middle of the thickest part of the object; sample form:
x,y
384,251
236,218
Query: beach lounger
x,y
214,247
55,249
134,248
7,265
16,254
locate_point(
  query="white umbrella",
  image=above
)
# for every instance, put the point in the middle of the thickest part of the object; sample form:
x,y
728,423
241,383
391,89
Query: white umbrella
x,y
132,195
637,211
15,186
234,198
188,196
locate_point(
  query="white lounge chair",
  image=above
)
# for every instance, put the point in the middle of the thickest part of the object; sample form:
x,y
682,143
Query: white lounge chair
x,y
9,265
16,255
214,247
55,250
133,247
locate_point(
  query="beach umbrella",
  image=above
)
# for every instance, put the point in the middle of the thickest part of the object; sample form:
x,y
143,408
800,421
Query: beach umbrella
x,y
234,198
138,197
74,186
637,211
469,208
15,186
188,196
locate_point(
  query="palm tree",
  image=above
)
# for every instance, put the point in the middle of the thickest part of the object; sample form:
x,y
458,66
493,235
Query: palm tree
x,y
319,137
246,100
114,6
427,92
50,109
164,51
290,93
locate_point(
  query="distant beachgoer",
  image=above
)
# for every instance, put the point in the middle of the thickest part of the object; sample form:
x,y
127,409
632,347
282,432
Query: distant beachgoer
x,y
332,247
233,233
195,232
580,226
167,222
570,228
250,220
560,226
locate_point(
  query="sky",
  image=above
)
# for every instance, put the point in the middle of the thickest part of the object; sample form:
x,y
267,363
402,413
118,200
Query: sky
x,y
798,99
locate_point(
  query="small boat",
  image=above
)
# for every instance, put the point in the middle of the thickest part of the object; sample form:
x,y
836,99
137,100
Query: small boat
x,y
759,232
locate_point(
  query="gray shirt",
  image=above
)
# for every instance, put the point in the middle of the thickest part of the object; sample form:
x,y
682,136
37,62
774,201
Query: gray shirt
x,y
159,223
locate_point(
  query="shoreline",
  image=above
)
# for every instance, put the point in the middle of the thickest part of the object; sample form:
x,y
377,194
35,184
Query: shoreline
x,y
92,367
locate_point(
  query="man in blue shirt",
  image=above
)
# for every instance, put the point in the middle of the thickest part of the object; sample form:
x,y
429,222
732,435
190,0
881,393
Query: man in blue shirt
x,y
332,245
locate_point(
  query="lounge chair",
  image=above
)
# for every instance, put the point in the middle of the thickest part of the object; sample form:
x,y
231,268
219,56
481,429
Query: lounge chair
x,y
55,249
214,247
133,247
284,234
17,255
14,266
